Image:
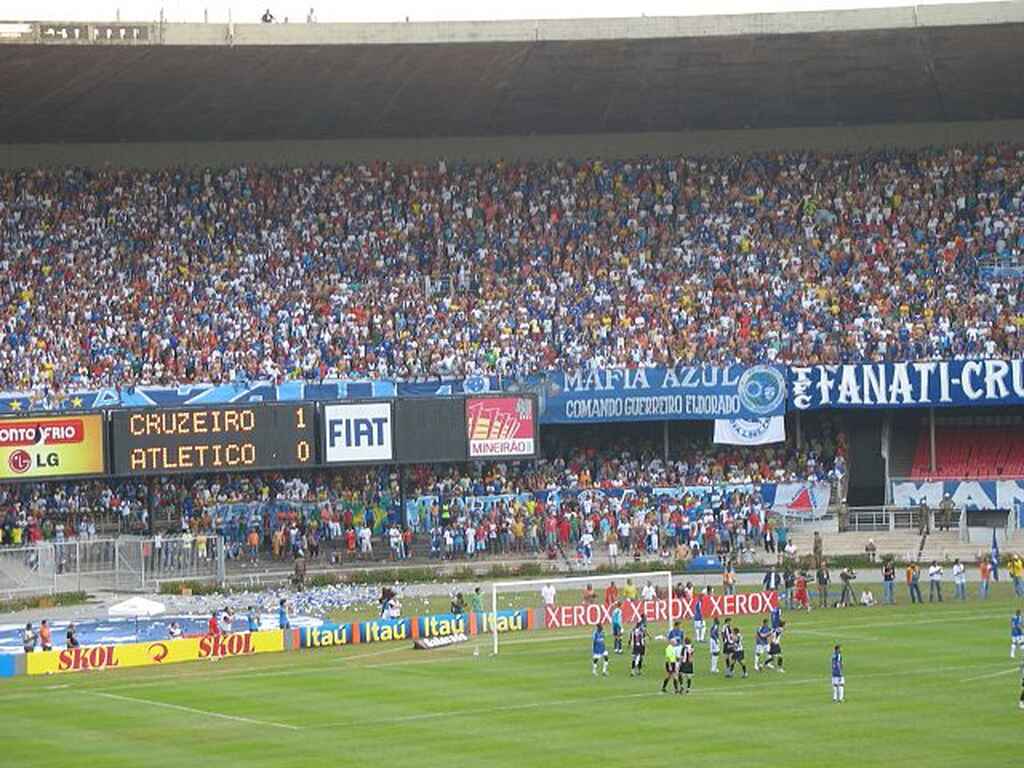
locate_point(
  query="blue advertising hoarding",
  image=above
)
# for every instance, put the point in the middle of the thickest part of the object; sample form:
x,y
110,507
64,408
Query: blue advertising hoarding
x,y
907,385
329,633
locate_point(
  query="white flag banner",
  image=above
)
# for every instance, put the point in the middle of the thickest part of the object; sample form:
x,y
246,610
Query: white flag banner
x,y
751,431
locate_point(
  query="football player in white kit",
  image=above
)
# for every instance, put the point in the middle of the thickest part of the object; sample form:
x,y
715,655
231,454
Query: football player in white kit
x,y
715,644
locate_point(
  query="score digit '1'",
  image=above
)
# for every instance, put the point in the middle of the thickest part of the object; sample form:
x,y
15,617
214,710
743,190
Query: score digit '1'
x,y
302,446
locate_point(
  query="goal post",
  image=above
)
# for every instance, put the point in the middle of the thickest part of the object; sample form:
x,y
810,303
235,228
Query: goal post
x,y
658,579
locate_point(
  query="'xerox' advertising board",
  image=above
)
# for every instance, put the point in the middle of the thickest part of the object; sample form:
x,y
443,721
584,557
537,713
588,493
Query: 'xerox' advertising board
x,y
502,427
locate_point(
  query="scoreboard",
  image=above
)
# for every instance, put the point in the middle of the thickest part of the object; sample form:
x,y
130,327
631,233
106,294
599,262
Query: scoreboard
x,y
216,439
252,436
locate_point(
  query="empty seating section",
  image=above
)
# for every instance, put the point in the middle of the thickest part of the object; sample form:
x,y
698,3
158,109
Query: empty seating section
x,y
964,453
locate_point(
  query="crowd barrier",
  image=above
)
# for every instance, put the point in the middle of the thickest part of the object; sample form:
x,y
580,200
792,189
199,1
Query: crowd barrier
x,y
164,652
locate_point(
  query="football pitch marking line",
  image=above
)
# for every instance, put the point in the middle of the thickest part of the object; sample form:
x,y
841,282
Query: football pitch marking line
x,y
190,710
1000,673
356,657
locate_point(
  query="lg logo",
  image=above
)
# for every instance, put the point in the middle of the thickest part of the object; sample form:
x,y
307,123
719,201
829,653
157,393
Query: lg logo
x,y
19,461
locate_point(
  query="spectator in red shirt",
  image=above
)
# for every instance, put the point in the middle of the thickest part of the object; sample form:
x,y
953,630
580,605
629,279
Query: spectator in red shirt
x,y
611,594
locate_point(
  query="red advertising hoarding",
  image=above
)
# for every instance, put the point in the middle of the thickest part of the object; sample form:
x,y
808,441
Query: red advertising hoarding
x,y
34,447
502,427
657,611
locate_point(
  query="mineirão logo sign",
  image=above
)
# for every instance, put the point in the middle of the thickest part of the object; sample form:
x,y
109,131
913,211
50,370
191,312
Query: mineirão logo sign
x,y
501,426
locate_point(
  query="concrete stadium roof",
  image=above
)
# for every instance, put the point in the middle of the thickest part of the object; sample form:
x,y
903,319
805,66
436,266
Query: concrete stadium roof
x,y
108,82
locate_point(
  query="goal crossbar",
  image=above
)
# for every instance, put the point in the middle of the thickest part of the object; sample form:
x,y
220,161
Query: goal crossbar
x,y
666,575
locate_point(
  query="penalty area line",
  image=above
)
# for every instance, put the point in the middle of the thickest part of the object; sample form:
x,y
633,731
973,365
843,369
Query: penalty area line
x,y
351,657
1000,673
192,711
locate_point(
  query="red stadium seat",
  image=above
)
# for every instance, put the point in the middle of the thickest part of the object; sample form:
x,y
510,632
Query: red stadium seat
x,y
970,453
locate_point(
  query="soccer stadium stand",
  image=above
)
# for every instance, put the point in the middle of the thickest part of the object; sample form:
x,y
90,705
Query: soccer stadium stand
x,y
121,277
311,331
975,453
35,512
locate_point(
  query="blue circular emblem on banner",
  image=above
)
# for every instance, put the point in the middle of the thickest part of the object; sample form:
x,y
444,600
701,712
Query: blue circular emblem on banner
x,y
762,389
476,384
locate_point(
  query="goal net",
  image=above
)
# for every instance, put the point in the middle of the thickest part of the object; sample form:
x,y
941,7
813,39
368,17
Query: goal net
x,y
583,601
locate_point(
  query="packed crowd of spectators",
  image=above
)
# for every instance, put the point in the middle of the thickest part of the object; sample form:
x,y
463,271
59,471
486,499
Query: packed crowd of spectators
x,y
620,464
724,522
119,277
285,514
34,512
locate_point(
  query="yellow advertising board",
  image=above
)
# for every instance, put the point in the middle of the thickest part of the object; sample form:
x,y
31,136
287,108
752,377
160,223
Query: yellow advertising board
x,y
34,447
160,652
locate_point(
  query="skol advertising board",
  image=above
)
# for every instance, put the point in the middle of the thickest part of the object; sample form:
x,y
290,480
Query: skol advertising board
x,y
159,652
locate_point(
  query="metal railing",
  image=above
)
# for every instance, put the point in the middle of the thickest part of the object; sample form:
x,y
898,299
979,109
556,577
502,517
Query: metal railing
x,y
127,563
894,519
868,519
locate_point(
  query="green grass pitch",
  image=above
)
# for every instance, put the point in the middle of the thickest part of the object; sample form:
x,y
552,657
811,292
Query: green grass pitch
x,y
930,685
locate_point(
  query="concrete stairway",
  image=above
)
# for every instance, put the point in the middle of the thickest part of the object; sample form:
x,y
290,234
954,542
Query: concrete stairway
x,y
946,546
901,544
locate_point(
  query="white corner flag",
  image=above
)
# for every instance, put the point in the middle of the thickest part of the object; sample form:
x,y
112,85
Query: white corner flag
x,y
751,431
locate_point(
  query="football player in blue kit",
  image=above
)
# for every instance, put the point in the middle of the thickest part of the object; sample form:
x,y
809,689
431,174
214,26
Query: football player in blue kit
x,y
838,681
600,651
